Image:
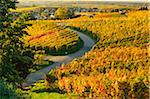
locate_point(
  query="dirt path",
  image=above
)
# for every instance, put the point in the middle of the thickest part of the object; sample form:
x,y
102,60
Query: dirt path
x,y
38,75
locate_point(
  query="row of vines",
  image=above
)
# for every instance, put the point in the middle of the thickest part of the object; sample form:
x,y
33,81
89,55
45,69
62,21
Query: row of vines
x,y
52,38
117,66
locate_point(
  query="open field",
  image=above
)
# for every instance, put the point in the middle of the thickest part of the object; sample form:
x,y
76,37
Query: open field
x,y
25,9
77,3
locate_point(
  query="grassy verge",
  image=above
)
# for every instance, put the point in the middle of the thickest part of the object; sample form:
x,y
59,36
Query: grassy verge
x,y
40,91
39,64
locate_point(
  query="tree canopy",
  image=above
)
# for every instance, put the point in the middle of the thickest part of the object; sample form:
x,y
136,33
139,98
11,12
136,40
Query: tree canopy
x,y
14,59
63,13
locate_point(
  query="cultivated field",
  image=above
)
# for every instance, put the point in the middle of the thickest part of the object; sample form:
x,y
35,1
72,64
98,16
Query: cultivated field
x,y
95,50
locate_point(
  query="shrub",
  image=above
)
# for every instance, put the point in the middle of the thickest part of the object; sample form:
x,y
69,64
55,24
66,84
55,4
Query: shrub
x,y
64,13
7,91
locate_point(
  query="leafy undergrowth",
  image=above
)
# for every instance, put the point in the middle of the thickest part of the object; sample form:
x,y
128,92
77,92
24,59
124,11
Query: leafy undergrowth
x,y
7,91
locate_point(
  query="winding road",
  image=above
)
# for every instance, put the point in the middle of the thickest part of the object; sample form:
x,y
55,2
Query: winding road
x,y
59,60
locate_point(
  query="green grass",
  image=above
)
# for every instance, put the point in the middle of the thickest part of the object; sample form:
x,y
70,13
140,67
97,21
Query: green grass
x,y
40,66
40,91
53,95
40,62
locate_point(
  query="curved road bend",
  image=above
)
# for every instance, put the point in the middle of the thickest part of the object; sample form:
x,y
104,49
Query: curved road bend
x,y
38,75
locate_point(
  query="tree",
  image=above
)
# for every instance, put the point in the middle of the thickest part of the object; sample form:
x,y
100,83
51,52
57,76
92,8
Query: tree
x,y
14,59
7,91
64,13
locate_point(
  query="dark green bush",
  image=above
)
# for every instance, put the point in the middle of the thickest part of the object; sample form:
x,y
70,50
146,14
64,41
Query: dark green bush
x,y
7,91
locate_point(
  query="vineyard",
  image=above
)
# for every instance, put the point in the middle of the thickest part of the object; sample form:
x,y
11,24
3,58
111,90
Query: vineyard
x,y
53,39
120,31
117,66
74,50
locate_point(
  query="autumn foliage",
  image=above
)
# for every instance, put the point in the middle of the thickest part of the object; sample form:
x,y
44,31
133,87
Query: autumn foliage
x,y
117,66
51,37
